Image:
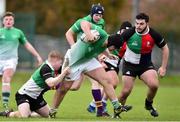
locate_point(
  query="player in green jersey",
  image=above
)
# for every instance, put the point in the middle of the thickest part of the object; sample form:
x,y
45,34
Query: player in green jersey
x,y
82,60
95,17
10,38
29,97
112,65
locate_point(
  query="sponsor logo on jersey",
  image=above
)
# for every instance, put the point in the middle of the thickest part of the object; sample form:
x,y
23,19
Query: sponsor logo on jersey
x,y
148,44
135,43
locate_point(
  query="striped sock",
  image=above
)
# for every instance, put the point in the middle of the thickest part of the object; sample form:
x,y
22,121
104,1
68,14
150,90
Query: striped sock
x,y
5,94
97,98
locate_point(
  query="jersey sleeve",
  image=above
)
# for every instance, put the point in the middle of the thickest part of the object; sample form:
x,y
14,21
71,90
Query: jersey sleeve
x,y
118,39
115,40
22,38
159,40
122,50
76,27
45,72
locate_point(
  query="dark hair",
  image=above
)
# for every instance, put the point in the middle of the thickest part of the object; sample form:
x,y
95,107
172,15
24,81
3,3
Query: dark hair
x,y
9,14
125,25
97,9
143,16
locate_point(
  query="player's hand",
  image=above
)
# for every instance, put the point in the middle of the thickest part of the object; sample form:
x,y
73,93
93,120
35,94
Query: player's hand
x,y
113,57
102,58
90,37
40,61
162,71
66,70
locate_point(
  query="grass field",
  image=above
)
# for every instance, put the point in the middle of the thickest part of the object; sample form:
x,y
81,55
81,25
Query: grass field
x,y
73,108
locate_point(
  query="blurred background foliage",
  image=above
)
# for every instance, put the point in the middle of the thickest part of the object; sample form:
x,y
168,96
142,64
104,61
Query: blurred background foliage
x,y
48,20
54,17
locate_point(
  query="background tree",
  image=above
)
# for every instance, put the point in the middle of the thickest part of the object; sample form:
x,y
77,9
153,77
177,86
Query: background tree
x,y
54,17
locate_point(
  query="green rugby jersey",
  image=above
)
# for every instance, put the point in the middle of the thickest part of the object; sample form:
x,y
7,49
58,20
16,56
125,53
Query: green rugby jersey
x,y
76,28
82,51
9,42
36,85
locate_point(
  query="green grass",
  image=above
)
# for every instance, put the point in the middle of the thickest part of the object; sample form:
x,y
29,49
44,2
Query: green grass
x,y
73,108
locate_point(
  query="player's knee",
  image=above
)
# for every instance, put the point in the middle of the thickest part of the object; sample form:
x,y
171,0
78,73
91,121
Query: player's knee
x,y
154,87
126,92
24,115
7,79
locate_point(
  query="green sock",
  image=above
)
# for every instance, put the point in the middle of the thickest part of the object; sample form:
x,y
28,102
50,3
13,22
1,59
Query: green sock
x,y
5,98
115,104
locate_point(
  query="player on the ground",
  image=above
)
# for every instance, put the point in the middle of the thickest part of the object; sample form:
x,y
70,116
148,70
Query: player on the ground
x,y
29,97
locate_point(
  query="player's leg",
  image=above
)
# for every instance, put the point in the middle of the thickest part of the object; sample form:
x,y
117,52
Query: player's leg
x,y
97,102
97,72
114,81
8,72
43,111
128,83
77,84
60,93
150,78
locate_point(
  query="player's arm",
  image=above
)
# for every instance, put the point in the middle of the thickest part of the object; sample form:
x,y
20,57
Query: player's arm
x,y
29,47
33,51
165,56
86,28
70,36
161,43
51,81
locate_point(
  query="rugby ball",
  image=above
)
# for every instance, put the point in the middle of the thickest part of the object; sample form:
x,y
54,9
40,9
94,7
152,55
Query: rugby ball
x,y
94,32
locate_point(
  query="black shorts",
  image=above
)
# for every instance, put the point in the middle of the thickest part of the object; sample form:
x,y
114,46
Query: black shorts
x,y
134,70
111,67
35,104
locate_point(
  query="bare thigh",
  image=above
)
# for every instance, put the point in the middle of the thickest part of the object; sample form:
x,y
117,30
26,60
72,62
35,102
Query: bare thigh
x,y
114,77
24,110
99,75
150,78
77,84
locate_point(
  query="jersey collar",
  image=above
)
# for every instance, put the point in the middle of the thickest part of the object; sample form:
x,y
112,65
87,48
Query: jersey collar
x,y
143,33
47,62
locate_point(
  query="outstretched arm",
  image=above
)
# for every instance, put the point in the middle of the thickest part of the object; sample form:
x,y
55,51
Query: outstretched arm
x,y
32,50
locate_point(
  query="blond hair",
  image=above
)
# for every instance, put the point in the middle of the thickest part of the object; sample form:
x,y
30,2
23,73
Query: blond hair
x,y
54,54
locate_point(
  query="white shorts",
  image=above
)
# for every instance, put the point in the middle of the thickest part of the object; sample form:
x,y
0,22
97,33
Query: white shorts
x,y
76,70
6,64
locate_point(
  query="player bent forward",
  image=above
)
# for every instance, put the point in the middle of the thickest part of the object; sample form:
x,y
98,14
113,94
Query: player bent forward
x,y
29,97
82,60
